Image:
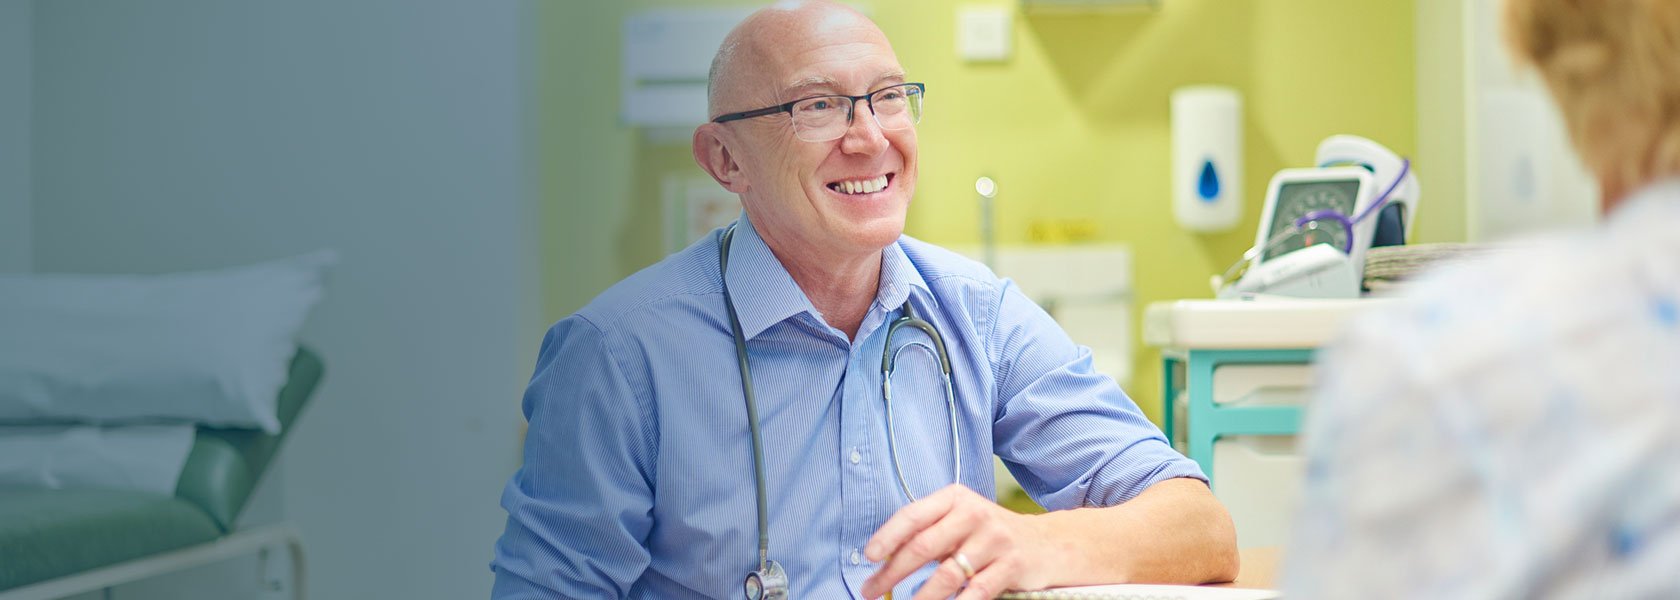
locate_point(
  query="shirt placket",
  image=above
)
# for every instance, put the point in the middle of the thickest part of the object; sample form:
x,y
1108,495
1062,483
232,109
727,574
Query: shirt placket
x,y
858,489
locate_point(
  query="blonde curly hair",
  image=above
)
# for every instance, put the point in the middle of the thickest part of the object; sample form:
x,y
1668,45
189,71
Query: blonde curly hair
x,y
1614,68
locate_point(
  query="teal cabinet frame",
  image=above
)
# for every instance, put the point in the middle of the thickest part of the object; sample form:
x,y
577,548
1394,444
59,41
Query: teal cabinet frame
x,y
1206,421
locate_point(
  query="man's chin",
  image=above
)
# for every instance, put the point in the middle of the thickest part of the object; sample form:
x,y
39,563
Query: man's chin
x,y
878,233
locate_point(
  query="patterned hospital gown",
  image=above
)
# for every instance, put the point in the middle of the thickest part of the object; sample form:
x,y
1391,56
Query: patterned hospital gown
x,y
1511,431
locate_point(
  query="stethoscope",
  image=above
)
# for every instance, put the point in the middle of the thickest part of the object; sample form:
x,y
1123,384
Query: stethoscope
x,y
770,581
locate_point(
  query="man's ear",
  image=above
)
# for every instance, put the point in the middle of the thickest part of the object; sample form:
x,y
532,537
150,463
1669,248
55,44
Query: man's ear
x,y
714,157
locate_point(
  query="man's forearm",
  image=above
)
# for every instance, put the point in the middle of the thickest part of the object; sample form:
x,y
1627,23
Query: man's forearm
x,y
1174,532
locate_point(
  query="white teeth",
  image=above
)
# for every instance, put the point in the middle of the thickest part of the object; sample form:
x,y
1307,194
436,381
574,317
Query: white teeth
x,y
864,186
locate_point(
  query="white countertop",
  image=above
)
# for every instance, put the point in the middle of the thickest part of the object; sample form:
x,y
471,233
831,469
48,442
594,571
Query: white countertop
x,y
1250,324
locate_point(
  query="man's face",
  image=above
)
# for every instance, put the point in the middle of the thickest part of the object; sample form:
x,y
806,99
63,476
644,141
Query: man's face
x,y
797,190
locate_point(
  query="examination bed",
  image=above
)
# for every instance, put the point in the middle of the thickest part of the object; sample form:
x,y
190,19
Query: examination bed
x,y
57,543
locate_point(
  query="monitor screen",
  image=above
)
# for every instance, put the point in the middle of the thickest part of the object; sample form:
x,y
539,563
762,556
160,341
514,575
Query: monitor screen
x,y
1298,199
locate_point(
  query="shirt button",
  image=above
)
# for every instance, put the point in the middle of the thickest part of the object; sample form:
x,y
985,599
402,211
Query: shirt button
x,y
857,557
856,456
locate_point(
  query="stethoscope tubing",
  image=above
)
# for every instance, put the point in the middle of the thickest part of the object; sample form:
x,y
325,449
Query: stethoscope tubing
x,y
769,573
752,404
889,360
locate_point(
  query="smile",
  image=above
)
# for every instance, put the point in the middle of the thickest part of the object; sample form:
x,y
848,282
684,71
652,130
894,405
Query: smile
x,y
855,187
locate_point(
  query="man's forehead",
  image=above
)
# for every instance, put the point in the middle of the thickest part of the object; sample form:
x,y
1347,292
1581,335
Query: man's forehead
x,y
787,52
836,60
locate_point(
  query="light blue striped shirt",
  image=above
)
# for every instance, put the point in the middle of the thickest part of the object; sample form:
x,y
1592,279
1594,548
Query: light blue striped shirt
x,y
638,476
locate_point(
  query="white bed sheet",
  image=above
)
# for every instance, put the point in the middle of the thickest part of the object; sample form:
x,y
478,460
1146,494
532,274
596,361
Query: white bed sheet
x,y
145,458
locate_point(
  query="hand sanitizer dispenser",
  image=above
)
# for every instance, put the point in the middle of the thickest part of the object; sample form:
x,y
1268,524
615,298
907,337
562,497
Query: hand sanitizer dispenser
x,y
1207,158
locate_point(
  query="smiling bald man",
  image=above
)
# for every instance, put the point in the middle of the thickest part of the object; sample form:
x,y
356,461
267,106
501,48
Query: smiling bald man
x,y
639,475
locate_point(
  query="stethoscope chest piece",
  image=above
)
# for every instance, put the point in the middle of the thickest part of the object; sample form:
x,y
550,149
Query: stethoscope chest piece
x,y
768,583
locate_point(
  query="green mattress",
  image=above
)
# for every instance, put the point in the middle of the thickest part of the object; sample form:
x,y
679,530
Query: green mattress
x,y
224,464
46,534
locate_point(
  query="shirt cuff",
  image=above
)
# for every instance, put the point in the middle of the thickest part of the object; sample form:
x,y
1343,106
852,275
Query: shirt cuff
x,y
1109,489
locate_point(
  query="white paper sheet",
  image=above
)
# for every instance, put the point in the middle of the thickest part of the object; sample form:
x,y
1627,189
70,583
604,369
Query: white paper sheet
x,y
144,458
1145,592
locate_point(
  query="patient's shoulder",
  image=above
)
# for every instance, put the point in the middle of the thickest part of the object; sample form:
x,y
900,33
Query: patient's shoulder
x,y
1514,309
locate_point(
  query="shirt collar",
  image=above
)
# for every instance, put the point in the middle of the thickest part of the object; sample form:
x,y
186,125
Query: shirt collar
x,y
899,277
761,288
765,294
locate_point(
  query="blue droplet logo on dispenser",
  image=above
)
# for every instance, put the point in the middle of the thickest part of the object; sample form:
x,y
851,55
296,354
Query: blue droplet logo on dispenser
x,y
1207,184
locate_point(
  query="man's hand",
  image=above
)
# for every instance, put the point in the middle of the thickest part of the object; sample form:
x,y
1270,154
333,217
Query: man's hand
x,y
1001,546
1173,532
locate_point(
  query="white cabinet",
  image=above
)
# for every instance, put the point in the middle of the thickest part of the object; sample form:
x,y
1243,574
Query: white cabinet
x,y
1239,377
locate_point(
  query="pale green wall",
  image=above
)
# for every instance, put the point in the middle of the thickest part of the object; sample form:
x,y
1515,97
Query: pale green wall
x,y
1075,127
17,83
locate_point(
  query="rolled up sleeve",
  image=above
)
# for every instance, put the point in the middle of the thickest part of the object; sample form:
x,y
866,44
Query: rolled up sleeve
x,y
1068,433
579,509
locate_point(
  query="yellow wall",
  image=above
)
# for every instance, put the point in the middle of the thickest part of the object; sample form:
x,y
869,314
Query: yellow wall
x,y
1441,121
1075,128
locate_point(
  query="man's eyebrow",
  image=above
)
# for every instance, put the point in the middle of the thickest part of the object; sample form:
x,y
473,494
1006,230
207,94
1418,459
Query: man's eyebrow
x,y
890,76
811,82
825,81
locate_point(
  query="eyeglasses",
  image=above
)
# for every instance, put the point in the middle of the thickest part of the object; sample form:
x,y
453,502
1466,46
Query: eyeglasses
x,y
826,118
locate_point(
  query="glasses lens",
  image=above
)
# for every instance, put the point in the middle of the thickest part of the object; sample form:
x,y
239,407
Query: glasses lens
x,y
897,107
827,118
821,119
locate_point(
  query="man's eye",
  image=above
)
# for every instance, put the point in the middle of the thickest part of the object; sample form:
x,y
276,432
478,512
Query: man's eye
x,y
819,105
892,95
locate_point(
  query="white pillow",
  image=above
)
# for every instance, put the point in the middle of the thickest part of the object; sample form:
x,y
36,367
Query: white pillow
x,y
146,458
210,347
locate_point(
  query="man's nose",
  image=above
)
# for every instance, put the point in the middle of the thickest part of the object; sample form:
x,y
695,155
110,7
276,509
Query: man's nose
x,y
864,136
